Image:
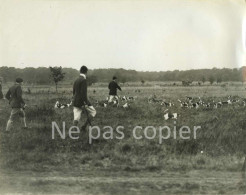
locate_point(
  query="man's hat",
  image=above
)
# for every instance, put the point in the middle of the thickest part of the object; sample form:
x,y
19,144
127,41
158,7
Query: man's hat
x,y
19,80
83,69
114,77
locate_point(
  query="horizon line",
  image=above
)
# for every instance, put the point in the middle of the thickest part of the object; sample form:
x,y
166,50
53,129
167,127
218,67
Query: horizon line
x,y
64,67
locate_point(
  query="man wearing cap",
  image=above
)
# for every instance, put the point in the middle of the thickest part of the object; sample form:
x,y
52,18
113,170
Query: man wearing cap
x,y
113,86
14,95
80,100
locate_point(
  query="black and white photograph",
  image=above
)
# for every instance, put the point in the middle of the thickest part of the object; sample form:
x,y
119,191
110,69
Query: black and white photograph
x,y
122,97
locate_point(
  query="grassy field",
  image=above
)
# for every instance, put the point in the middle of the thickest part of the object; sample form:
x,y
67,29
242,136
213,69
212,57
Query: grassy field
x,y
31,161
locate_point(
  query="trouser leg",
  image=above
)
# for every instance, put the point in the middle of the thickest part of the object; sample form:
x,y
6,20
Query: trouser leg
x,y
23,116
111,97
11,119
9,125
77,114
91,113
24,121
85,124
88,121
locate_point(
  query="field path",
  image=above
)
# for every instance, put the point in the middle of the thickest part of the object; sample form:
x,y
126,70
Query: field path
x,y
109,182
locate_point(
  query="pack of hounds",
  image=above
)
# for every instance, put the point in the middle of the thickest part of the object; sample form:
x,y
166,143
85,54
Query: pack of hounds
x,y
191,102
123,102
116,102
188,102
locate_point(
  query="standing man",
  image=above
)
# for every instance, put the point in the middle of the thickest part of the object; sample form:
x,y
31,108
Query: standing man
x,y
14,95
113,86
1,92
80,100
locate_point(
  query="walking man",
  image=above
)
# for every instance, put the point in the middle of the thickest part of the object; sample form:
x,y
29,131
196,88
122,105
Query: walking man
x,y
113,86
14,95
80,100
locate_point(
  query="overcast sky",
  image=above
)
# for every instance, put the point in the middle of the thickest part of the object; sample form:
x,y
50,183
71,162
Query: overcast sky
x,y
148,35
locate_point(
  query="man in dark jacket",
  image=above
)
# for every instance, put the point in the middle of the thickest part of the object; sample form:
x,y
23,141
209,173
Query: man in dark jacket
x,y
14,95
113,86
80,99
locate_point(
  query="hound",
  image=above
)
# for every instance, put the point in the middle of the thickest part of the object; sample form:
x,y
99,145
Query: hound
x,y
200,101
195,105
167,104
226,102
244,102
183,104
57,104
218,105
189,98
206,105
116,103
131,98
235,101
230,101
124,98
170,116
126,105
62,106
102,103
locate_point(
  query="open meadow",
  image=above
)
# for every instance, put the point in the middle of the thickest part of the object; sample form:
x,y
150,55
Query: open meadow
x,y
31,161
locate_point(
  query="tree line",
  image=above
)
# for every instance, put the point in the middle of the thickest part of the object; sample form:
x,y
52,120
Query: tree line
x,y
43,75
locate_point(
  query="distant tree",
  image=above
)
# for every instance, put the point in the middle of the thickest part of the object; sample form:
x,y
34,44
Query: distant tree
x,y
123,80
203,79
57,75
211,79
92,79
243,74
219,80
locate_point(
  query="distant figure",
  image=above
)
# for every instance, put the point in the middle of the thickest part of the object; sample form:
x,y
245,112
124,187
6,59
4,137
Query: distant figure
x,y
1,92
80,99
113,86
14,95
